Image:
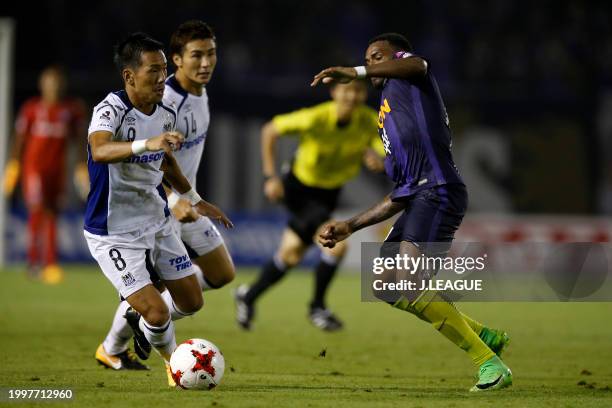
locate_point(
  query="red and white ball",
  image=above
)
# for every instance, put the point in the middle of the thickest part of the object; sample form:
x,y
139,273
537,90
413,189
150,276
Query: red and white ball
x,y
197,364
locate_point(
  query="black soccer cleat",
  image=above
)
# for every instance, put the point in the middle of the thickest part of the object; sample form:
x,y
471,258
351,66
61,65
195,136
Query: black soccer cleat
x,y
142,347
324,319
244,311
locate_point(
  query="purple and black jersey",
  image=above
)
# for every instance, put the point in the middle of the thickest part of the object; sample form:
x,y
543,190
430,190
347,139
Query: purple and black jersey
x,y
413,125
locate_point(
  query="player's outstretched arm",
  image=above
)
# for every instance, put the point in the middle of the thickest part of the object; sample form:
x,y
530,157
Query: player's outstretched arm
x,y
341,75
104,150
336,231
401,68
174,175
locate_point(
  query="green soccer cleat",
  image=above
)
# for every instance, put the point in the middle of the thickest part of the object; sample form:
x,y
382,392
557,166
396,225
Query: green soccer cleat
x,y
497,340
493,375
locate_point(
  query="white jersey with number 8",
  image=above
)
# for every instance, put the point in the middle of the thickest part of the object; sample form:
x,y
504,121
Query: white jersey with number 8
x,y
127,196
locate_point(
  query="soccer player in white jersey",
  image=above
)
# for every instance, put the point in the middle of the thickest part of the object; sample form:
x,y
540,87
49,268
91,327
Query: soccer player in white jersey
x,y
127,224
193,50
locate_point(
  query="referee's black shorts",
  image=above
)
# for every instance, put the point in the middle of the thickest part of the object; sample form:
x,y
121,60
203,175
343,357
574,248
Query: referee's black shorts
x,y
309,207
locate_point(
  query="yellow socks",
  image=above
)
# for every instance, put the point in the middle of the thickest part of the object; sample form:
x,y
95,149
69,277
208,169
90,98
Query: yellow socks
x,y
433,308
476,326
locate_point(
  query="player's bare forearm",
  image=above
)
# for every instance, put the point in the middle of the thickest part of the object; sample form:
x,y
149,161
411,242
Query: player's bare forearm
x,y
174,175
103,150
401,68
112,152
378,213
269,136
336,231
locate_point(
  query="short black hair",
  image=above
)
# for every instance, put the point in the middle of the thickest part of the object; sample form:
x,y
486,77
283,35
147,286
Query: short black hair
x,y
396,40
128,53
189,31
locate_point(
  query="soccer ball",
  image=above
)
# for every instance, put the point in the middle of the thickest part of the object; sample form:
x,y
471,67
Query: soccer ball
x,y
197,364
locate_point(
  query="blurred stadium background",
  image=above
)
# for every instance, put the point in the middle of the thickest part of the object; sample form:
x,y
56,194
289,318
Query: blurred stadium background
x,y
528,87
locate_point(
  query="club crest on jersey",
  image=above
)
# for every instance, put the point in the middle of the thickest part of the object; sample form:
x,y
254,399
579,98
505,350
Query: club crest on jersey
x,y
167,126
128,279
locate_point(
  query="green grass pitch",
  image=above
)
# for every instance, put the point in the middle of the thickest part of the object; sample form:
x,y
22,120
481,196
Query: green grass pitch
x,y
561,353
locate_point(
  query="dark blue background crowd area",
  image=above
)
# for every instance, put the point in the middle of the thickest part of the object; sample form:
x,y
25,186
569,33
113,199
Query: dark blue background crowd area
x,y
539,72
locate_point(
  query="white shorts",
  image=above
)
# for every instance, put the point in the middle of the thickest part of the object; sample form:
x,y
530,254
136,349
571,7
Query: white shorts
x,y
201,236
130,260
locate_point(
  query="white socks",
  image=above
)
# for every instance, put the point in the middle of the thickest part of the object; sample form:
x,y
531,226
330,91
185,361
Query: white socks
x,y
120,332
175,312
160,337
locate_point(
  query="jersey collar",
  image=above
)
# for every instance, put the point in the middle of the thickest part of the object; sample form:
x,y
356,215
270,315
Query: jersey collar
x,y
173,83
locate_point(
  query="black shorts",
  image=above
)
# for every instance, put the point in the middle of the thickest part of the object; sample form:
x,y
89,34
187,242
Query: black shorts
x,y
309,207
431,216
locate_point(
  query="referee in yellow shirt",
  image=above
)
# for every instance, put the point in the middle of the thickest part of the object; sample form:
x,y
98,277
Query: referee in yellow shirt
x,y
336,137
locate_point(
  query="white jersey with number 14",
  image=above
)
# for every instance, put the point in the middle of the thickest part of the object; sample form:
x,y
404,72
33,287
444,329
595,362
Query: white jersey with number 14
x,y
193,118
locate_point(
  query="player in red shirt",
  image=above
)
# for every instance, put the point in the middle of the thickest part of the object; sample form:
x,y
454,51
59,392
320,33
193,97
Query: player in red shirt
x,y
45,125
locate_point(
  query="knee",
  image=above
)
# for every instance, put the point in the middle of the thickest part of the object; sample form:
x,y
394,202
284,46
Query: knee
x,y
195,303
291,257
228,275
156,315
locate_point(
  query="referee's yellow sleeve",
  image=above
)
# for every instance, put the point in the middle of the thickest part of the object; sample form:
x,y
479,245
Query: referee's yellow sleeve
x,y
377,145
295,122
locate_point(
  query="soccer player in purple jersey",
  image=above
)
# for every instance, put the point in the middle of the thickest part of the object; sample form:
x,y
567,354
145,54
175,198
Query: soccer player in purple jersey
x,y
414,128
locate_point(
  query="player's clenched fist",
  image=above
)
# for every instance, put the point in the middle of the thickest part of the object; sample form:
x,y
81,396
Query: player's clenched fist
x,y
334,232
167,141
211,211
184,212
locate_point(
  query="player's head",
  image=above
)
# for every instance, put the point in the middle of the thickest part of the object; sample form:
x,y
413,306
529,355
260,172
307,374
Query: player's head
x,y
52,83
142,64
382,48
349,96
193,49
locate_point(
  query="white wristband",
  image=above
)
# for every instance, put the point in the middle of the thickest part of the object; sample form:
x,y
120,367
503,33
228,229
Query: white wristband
x,y
173,199
139,146
192,196
361,72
